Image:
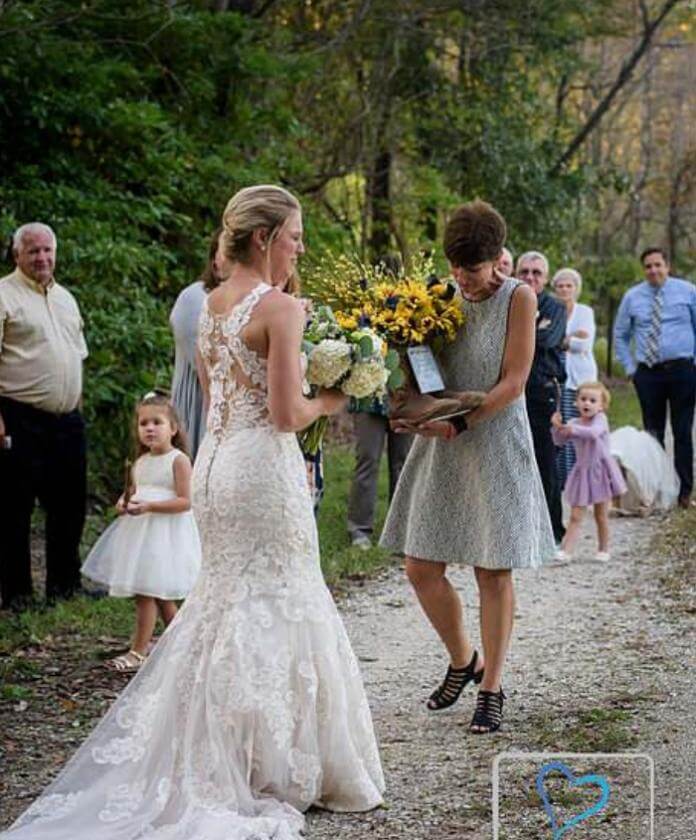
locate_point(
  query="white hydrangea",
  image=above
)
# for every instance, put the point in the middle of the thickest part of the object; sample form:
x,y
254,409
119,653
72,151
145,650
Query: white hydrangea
x,y
366,379
328,362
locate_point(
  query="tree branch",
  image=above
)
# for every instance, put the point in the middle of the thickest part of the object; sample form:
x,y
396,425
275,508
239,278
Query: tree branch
x,y
624,75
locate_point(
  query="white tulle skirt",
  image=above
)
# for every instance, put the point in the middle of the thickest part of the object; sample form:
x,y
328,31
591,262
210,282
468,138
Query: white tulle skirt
x,y
156,554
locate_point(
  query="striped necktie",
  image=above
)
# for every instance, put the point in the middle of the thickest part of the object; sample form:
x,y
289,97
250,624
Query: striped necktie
x,y
652,342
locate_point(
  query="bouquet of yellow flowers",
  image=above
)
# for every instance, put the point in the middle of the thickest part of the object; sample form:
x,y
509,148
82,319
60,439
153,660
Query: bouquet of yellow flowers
x,y
418,310
409,310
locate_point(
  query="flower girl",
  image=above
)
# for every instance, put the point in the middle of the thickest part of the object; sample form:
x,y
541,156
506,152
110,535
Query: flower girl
x,y
596,477
152,551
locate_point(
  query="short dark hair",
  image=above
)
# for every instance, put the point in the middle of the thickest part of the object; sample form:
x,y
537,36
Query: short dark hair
x,y
654,250
474,234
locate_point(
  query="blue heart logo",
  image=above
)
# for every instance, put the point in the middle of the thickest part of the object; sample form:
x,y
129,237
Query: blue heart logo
x,y
590,779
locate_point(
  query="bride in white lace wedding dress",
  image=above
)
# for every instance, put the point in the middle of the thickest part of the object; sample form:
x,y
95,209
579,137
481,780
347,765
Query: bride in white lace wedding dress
x,y
251,707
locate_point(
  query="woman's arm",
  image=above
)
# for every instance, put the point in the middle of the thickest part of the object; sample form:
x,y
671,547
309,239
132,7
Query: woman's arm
x,y
290,411
517,358
182,487
583,336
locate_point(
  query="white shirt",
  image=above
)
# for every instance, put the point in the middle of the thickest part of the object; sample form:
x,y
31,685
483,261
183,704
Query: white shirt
x,y
41,344
580,361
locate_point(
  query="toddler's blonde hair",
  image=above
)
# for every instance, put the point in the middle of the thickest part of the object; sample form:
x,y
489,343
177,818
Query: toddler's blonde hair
x,y
597,386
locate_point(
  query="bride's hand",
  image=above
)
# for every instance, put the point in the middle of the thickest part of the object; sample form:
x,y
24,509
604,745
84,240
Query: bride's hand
x,y
333,400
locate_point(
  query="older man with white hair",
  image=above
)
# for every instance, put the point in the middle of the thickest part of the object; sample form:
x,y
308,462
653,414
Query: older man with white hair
x,y
42,436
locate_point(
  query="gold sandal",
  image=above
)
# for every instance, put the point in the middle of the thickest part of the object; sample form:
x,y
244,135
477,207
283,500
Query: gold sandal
x,y
126,662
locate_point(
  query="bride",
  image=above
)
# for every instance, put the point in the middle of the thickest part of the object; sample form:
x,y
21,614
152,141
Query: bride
x,y
251,707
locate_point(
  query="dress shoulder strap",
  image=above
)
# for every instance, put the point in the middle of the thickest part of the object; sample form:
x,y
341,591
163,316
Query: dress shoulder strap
x,y
243,312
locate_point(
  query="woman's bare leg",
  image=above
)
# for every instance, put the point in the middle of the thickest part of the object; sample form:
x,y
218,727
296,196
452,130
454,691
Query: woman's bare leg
x,y
497,615
442,606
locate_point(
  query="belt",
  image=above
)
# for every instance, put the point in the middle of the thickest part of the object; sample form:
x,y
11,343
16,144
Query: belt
x,y
668,364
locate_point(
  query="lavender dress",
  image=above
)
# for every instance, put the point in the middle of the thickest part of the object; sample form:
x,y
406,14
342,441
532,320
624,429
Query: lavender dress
x,y
596,477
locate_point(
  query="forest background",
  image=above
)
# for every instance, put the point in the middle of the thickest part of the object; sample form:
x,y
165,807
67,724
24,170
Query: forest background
x,y
128,125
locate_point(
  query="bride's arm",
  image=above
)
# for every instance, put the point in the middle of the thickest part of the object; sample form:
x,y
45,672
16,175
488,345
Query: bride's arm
x,y
290,411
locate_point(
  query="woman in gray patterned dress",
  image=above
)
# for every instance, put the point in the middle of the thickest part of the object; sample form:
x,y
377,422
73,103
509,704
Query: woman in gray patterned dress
x,y
470,490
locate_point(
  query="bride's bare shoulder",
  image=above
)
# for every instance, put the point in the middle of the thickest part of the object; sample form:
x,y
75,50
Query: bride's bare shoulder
x,y
278,304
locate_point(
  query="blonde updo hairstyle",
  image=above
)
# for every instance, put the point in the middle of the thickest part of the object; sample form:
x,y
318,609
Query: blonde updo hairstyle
x,y
263,206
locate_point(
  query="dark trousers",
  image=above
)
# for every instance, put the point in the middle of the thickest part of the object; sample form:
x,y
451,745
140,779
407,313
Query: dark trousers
x,y
541,404
371,431
673,384
47,461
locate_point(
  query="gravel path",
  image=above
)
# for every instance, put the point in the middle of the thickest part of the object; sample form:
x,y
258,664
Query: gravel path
x,y
598,664
602,661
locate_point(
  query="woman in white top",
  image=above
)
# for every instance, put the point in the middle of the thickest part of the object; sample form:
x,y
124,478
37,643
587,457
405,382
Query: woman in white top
x,y
579,357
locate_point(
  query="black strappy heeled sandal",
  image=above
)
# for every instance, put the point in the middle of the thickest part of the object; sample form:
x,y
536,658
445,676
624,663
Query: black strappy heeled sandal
x,y
489,712
456,679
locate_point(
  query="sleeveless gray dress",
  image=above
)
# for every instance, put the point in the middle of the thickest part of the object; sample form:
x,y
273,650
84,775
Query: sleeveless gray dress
x,y
187,394
477,499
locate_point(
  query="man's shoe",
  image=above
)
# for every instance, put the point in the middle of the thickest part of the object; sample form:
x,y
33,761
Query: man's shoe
x,y
361,541
684,502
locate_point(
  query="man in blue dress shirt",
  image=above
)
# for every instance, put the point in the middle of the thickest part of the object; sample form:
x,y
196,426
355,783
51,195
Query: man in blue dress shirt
x,y
659,317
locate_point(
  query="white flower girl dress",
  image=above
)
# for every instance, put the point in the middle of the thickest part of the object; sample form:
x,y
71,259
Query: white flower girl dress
x,y
156,554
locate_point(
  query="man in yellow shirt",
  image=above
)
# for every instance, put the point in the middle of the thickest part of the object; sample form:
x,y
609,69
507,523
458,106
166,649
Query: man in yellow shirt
x,y
42,435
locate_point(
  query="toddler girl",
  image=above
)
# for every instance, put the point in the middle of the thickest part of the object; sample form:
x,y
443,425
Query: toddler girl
x,y
152,551
596,477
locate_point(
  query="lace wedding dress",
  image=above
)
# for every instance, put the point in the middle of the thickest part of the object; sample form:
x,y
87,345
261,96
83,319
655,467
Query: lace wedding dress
x,y
251,707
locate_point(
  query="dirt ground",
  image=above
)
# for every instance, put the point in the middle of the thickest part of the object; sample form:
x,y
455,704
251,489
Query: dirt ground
x,y
602,661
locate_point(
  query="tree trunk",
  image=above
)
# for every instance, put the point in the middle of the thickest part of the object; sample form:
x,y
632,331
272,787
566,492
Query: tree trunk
x,y
379,196
611,312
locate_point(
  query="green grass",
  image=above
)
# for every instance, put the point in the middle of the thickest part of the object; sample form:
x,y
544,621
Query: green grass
x,y
624,409
602,729
338,558
113,617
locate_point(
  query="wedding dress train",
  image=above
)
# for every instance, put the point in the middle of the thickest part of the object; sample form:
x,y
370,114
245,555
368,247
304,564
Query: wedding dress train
x,y
251,707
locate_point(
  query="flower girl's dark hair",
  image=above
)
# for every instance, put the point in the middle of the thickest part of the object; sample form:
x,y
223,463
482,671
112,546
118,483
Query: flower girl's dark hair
x,y
159,398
